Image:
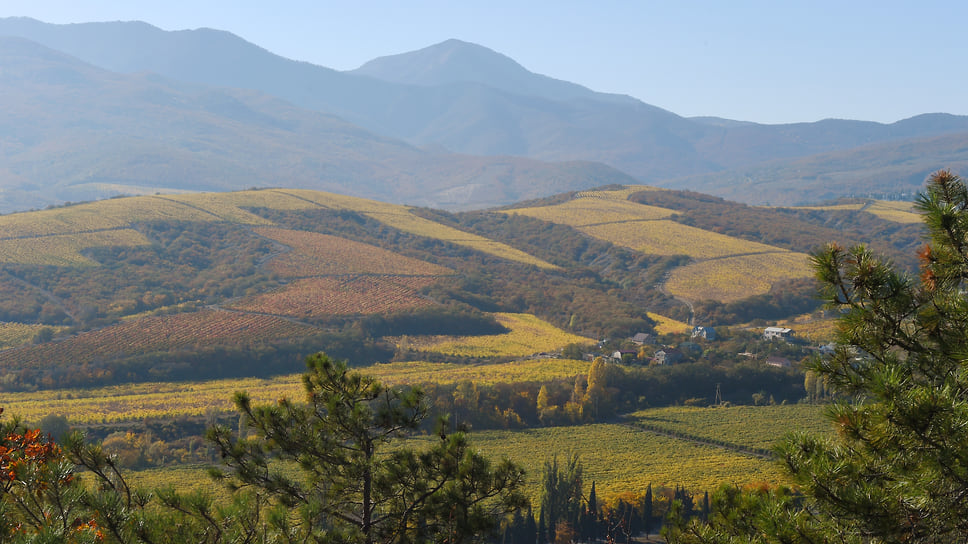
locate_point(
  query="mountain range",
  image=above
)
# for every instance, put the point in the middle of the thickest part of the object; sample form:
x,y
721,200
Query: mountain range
x,y
454,125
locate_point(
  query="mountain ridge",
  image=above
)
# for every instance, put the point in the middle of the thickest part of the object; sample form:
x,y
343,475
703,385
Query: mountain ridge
x,y
76,127
490,118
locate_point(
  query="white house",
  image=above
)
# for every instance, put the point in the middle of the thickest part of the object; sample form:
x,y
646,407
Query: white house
x,y
777,332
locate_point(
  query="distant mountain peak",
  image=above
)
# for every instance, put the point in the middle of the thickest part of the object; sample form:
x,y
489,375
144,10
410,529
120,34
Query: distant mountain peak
x,y
455,61
451,61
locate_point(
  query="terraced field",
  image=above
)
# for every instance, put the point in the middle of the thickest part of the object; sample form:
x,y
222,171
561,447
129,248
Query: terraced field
x,y
528,335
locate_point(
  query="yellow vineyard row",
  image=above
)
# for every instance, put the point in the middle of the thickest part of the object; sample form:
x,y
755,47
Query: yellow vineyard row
x,y
591,211
15,334
735,278
621,459
122,212
671,238
618,194
528,335
64,249
314,254
667,325
132,402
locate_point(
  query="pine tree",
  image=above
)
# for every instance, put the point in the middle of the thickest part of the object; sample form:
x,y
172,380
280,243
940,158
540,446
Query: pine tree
x,y
349,489
898,469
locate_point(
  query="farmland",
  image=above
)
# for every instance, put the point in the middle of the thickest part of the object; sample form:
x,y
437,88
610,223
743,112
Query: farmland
x,y
735,278
665,325
619,458
314,254
591,210
163,333
65,249
15,334
399,217
671,238
138,401
528,335
617,194
753,427
342,295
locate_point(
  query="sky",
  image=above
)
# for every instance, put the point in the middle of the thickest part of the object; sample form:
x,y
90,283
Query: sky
x,y
777,61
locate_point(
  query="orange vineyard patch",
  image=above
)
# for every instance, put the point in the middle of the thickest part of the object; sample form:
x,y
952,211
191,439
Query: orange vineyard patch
x,y
314,254
354,295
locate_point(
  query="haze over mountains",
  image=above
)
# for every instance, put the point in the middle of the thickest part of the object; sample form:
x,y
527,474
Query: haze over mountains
x,y
203,109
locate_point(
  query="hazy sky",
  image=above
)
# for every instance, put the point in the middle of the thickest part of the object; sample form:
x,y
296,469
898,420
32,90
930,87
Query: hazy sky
x,y
767,61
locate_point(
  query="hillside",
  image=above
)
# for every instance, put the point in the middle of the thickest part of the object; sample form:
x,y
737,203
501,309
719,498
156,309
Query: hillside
x,y
77,132
469,99
173,287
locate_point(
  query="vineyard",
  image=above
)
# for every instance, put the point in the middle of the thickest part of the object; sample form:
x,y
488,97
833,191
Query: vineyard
x,y
400,218
138,401
593,210
753,427
530,370
618,194
64,249
666,325
889,210
898,212
671,238
812,328
165,333
15,334
619,458
529,335
735,278
315,254
342,295
135,402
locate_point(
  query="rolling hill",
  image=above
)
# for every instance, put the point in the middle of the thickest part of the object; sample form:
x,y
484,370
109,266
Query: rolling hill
x,y
208,285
